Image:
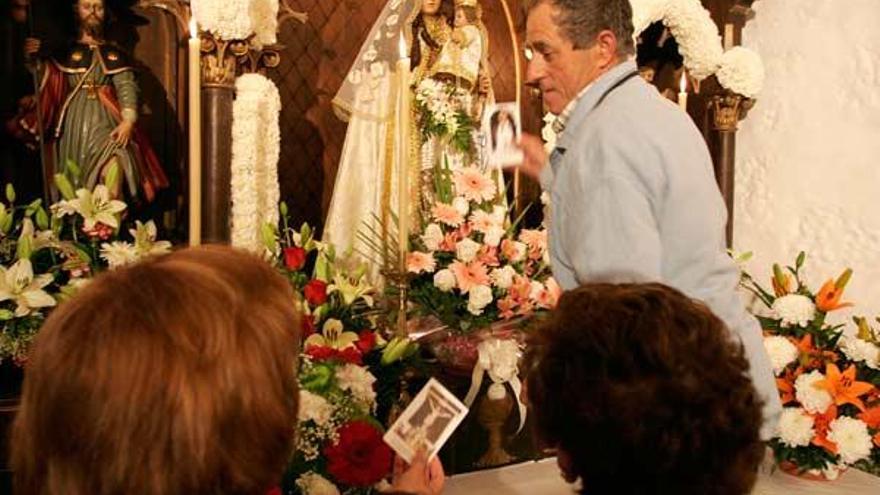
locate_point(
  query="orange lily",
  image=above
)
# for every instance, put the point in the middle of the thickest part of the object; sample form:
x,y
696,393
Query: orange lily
x,y
781,282
843,387
786,390
828,298
821,424
871,417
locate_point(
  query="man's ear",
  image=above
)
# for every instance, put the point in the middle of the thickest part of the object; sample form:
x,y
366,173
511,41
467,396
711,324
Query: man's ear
x,y
606,44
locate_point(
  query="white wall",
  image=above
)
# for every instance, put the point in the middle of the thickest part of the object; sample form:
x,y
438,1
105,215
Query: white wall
x,y
808,155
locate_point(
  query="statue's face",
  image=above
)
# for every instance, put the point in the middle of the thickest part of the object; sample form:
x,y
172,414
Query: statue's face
x,y
90,13
430,7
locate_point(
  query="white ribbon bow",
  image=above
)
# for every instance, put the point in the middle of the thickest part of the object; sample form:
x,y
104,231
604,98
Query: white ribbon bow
x,y
500,359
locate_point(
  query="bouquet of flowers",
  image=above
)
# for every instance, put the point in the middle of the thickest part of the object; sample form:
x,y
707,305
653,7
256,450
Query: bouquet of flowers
x,y
470,267
349,375
443,112
46,256
828,376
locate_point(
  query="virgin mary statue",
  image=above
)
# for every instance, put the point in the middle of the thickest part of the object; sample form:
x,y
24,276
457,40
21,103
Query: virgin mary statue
x,y
365,194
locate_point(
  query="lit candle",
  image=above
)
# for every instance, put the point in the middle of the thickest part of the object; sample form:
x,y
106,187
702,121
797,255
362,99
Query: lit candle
x,y
682,93
728,36
403,119
195,136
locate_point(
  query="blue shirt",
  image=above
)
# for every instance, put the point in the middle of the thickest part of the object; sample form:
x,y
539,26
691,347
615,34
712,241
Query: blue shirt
x,y
634,199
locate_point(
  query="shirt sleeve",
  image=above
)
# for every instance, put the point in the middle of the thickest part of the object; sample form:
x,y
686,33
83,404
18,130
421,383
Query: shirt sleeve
x,y
610,232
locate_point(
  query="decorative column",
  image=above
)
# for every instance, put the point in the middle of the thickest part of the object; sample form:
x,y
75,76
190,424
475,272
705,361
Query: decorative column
x,y
727,109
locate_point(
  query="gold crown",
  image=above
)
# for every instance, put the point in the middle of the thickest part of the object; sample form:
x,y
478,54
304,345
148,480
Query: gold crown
x,y
466,3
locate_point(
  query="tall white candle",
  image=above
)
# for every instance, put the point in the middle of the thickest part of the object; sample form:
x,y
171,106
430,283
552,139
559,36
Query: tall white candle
x,y
195,135
728,36
682,93
403,120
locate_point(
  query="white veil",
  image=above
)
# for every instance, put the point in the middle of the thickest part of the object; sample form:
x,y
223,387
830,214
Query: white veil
x,y
363,189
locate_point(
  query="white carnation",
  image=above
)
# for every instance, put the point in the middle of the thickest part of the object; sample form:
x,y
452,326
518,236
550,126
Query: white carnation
x,y
794,310
781,352
313,408
444,280
461,205
467,250
503,277
499,214
493,237
741,71
861,350
535,289
432,237
851,437
312,483
814,399
358,381
478,298
795,427
118,253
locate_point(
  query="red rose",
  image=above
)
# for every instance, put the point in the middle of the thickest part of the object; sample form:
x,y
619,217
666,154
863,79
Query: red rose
x,y
359,457
275,491
316,292
320,352
366,341
308,326
294,257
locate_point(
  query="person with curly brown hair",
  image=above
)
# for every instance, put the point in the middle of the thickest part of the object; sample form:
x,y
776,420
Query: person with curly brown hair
x,y
642,390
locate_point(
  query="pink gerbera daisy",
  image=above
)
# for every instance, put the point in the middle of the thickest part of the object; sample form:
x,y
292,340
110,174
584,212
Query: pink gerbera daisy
x,y
447,214
470,275
474,185
418,262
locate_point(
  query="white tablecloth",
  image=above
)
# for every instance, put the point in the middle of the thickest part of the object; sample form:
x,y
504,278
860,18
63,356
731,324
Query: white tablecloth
x,y
542,478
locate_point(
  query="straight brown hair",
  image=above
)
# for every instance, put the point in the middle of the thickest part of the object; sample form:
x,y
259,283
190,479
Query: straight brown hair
x,y
175,375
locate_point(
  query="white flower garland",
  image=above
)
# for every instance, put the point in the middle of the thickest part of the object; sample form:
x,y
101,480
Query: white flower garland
x,y
255,151
238,19
738,70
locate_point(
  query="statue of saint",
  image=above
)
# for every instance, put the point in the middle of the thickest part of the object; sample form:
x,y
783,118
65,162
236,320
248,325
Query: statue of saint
x,y
365,194
88,99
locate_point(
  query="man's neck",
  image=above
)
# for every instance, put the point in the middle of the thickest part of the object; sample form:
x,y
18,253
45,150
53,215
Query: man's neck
x,y
87,39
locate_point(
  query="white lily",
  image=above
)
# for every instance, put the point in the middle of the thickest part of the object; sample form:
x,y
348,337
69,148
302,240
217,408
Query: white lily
x,y
145,239
352,289
38,239
332,335
18,284
119,253
94,206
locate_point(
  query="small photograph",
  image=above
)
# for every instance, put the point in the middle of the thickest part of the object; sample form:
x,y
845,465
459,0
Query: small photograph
x,y
502,128
427,422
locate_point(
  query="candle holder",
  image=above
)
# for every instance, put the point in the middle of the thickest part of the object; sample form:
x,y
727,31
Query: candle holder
x,y
399,279
728,109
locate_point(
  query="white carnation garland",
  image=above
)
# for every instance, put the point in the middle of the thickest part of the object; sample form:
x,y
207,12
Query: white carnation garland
x,y
255,150
739,69
238,19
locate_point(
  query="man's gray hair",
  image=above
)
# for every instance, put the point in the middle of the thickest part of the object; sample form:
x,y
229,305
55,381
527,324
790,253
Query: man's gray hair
x,y
582,20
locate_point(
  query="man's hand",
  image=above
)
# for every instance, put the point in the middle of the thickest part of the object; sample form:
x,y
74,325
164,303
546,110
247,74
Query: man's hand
x,y
534,155
31,47
122,133
420,477
484,84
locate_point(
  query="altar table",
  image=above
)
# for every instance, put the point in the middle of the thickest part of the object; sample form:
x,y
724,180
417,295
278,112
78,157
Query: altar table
x,y
542,478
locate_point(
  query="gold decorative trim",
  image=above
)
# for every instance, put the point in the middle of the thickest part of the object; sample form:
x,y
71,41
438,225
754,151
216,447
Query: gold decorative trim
x,y
727,110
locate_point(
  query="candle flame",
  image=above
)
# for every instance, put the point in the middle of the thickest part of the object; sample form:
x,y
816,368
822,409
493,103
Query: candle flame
x,y
193,29
401,45
683,83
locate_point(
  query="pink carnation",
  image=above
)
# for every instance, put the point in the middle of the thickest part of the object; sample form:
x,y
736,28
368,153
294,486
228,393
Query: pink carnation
x,y
513,250
474,185
536,240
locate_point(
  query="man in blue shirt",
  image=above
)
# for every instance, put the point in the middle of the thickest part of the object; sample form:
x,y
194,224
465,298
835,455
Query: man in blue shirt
x,y
633,194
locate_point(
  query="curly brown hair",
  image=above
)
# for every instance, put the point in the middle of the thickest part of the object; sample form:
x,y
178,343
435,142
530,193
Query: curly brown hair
x,y
643,388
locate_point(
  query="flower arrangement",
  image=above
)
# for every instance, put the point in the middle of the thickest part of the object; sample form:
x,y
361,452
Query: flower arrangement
x,y
828,376
46,256
238,19
469,267
442,111
349,375
741,71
